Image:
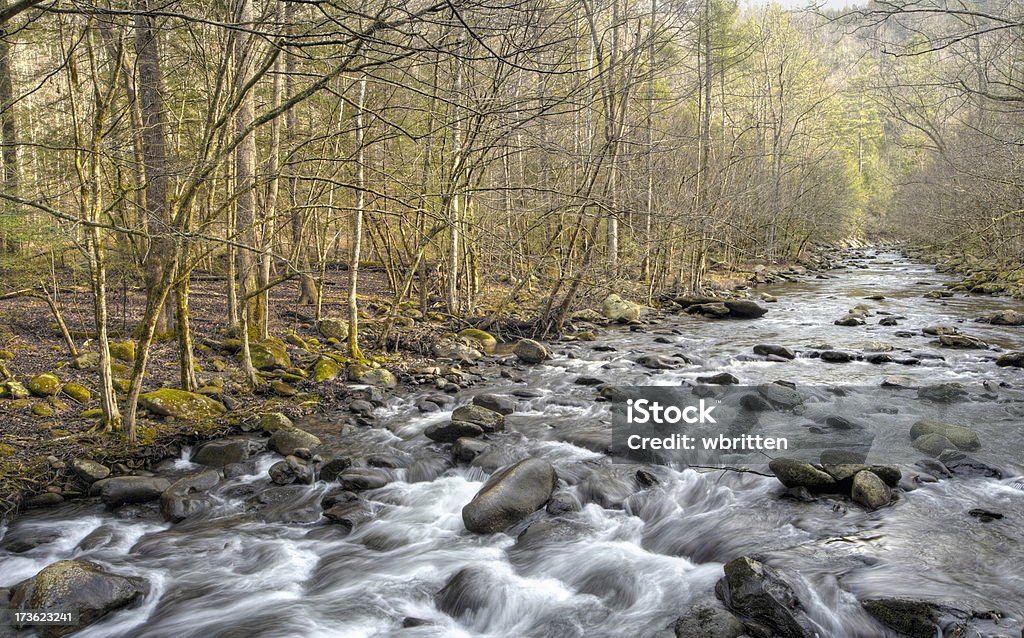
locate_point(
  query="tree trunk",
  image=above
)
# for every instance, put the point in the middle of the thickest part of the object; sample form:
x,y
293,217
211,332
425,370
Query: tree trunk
x,y
154,151
357,226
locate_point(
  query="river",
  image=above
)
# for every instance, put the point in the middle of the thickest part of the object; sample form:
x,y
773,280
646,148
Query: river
x,y
629,568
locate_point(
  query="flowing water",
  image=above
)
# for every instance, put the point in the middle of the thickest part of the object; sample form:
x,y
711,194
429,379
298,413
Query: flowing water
x,y
630,562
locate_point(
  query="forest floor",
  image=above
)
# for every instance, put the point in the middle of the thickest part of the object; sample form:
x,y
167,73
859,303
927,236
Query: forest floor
x,y
40,436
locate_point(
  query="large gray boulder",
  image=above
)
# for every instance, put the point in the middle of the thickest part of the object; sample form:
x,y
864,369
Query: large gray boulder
x,y
615,308
530,351
963,438
122,490
76,585
918,618
509,496
285,442
793,473
744,309
225,451
187,496
761,593
869,490
488,420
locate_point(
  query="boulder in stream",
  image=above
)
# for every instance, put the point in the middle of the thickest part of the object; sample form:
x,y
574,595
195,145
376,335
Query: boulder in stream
x,y
123,490
530,351
962,437
615,308
1011,360
763,594
509,496
767,349
793,473
744,309
869,490
77,585
918,618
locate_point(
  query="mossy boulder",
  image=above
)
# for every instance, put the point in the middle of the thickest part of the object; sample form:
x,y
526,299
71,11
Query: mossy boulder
x,y
12,389
79,585
615,308
482,340
333,328
362,373
121,385
271,422
77,392
530,351
124,351
180,404
269,354
6,355
326,369
45,384
42,410
963,438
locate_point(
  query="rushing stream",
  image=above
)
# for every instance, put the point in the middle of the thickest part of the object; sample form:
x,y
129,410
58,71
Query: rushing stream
x,y
628,568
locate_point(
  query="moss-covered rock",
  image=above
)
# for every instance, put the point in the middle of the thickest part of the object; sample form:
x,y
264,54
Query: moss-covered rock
x,y
121,385
42,410
333,328
295,340
6,355
91,413
12,389
124,351
76,584
7,450
77,392
269,354
180,404
45,384
326,369
362,373
271,422
482,340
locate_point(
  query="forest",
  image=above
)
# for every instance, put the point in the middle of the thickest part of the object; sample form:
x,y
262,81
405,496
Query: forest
x,y
485,158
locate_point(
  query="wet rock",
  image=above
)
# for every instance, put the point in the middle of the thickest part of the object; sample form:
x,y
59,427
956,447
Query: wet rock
x,y
495,402
122,490
1006,318
961,341
744,309
509,496
615,308
281,473
709,620
849,321
1011,360
451,431
869,490
761,593
332,469
793,473
234,470
224,451
469,591
285,442
357,479
589,381
530,351
880,358
942,392
985,516
187,406
722,378
349,515
932,444
484,418
609,487
44,384
563,503
937,331
76,584
465,449
716,310
917,618
89,471
836,356
780,396
960,464
963,438
657,362
186,497
766,349
46,499
888,321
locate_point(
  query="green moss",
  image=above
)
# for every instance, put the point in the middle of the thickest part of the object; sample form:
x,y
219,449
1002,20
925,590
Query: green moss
x,y
6,450
92,413
180,404
42,410
124,351
6,355
78,392
147,435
